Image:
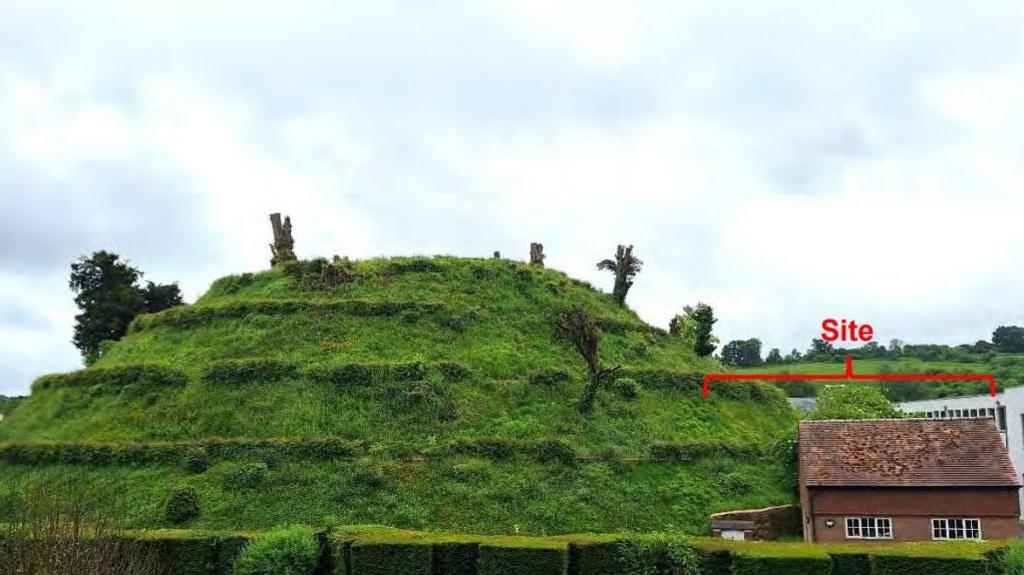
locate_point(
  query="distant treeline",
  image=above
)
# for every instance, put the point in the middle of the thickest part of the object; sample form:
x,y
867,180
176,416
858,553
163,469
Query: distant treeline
x,y
1005,339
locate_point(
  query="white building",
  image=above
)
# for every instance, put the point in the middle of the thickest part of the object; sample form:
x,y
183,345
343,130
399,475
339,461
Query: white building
x,y
1007,408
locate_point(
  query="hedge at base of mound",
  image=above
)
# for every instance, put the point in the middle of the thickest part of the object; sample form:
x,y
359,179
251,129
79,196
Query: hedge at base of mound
x,y
522,556
455,558
751,565
850,564
192,553
391,557
910,565
595,557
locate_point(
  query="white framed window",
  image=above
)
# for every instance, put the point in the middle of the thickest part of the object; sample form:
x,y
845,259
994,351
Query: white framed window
x,y
869,528
952,529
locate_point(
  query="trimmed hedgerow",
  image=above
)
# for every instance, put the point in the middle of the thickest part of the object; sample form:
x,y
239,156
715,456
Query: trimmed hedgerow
x,y
657,554
180,552
750,565
229,547
175,452
526,557
455,558
142,374
595,557
247,370
697,449
186,317
544,450
339,554
288,551
850,564
912,565
391,557
368,373
453,371
715,561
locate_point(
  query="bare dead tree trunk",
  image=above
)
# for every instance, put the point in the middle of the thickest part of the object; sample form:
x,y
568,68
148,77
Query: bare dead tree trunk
x,y
625,267
283,248
537,254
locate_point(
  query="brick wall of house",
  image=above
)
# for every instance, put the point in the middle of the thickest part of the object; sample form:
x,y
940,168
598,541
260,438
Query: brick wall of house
x,y
912,509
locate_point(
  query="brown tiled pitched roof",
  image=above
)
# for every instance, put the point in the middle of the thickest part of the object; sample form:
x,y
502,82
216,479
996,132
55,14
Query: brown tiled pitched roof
x,y
904,453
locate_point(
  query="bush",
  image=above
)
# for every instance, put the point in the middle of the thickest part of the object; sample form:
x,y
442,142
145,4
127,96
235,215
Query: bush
x,y
249,370
522,558
391,558
653,555
554,451
288,551
452,371
196,459
1009,559
627,388
182,504
549,377
247,476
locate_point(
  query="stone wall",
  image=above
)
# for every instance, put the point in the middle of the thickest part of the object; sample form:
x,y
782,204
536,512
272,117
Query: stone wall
x,y
766,524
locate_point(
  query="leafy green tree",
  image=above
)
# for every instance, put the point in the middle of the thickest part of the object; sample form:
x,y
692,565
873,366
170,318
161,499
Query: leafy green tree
x,y
742,353
694,328
820,349
853,402
106,293
794,356
1009,338
774,356
625,267
159,297
578,327
109,297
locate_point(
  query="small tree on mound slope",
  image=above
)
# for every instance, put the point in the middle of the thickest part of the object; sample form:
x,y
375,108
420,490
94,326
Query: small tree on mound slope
x,y
578,327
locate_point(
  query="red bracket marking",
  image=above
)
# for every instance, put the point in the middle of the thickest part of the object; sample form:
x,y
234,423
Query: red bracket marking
x,y
848,375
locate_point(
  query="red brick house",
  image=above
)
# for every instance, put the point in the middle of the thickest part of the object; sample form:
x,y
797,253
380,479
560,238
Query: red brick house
x,y
906,480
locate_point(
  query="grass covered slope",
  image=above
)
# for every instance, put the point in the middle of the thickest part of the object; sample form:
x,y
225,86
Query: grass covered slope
x,y
418,392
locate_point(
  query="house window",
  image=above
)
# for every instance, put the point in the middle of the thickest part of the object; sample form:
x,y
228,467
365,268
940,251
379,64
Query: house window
x,y
949,529
868,528
1001,417
974,413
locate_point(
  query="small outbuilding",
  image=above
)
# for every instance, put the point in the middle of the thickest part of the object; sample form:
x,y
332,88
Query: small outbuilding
x,y
906,480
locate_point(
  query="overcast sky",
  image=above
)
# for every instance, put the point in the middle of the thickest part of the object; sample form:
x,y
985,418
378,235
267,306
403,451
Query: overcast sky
x,y
782,162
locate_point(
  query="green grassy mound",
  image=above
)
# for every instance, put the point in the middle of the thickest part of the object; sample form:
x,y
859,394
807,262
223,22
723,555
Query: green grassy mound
x,y
415,392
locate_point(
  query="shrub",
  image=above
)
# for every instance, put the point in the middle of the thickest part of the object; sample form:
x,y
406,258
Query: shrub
x,y
554,450
1009,559
249,370
627,388
287,551
391,558
551,376
522,558
196,459
247,476
652,555
182,504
